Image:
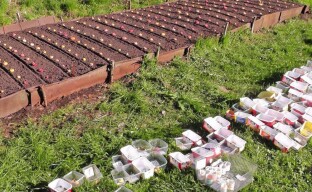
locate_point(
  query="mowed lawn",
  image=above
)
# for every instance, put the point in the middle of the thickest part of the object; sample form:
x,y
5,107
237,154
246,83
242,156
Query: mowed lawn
x,y
161,102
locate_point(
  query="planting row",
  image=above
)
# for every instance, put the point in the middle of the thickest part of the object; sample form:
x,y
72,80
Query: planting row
x,y
282,113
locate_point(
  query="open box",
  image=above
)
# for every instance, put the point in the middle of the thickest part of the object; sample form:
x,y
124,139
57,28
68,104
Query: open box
x,y
223,133
197,162
299,86
290,118
236,142
254,123
159,161
262,102
241,117
306,129
258,108
283,142
278,115
129,153
290,76
119,176
144,166
204,153
299,108
159,146
132,174
211,125
268,132
74,178
246,103
183,144
214,147
276,90
123,189
227,148
282,85
307,98
286,129
142,146
193,137
267,95
92,173
60,185
237,108
225,123
118,162
295,95
267,119
179,160
214,138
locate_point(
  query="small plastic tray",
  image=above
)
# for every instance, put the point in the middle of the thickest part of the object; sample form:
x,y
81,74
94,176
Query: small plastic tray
x,y
74,178
119,176
183,144
159,146
92,173
60,185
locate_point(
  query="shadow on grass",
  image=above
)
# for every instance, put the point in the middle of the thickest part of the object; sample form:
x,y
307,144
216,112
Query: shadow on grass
x,y
308,41
40,187
270,79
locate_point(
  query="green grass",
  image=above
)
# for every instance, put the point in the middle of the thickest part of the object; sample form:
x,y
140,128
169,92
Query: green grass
x,y
79,134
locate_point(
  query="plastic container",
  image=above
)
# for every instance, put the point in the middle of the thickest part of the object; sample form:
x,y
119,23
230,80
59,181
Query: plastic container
x,y
118,162
267,119
133,175
214,147
300,138
144,166
275,90
119,176
306,117
225,123
230,114
298,108
213,138
308,111
192,136
307,78
203,153
227,148
290,77
262,102
299,86
295,95
254,123
278,115
92,173
300,71
289,118
236,142
246,103
267,95
306,129
307,69
308,99
268,133
211,125
123,189
236,107
129,153
282,85
258,108
60,185
159,161
284,100
309,63
159,146
179,160
241,117
74,178
142,146
286,129
223,133
283,142
183,144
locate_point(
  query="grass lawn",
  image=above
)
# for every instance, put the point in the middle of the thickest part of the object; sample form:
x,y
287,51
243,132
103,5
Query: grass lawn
x,y
217,75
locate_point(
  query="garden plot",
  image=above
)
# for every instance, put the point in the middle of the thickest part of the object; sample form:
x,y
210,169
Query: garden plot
x,y
40,65
8,84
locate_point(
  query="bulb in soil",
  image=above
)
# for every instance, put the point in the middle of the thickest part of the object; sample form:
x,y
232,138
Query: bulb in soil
x,y
151,30
56,43
2,91
12,70
113,24
140,34
101,40
175,39
73,38
69,50
97,27
151,39
22,55
84,59
136,43
63,46
84,33
124,38
69,71
51,57
44,52
119,50
49,39
38,48
93,48
163,34
19,77
10,47
72,27
85,45
78,41
76,54
4,44
24,40
110,45
91,64
27,59
57,60
84,23
78,30
15,51
40,70
19,37
190,37
5,63
114,34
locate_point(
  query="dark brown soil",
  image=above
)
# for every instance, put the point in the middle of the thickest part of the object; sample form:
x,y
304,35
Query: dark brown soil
x,y
8,85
